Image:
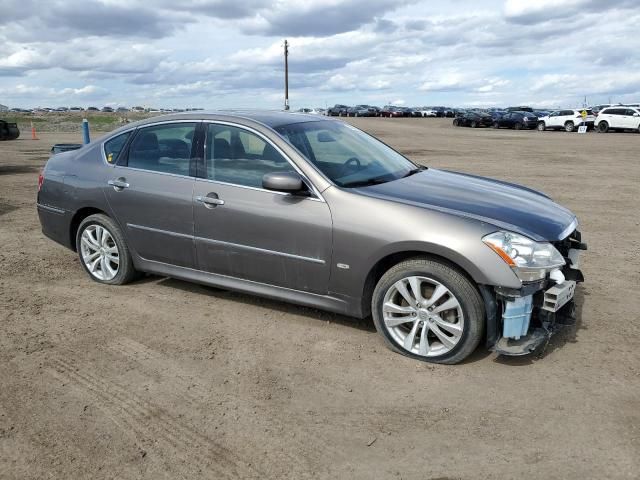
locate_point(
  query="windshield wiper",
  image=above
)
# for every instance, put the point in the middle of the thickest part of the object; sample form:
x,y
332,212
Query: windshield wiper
x,y
367,182
414,170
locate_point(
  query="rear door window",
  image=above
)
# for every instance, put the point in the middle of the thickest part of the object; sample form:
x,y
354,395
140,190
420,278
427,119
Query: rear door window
x,y
163,148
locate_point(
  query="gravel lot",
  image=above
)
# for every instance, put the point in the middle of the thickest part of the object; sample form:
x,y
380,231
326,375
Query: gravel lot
x,y
166,379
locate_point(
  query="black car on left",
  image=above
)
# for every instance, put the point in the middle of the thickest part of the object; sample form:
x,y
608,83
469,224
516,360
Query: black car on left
x,y
473,120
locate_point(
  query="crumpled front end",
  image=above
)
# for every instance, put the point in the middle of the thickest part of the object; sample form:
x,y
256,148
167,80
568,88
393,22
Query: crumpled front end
x,y
522,320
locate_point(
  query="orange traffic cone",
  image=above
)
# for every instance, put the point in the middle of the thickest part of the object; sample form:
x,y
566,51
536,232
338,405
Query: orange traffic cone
x,y
33,132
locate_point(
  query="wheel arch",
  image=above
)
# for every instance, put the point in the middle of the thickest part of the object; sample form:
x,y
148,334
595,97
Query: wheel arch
x,y
389,259
77,219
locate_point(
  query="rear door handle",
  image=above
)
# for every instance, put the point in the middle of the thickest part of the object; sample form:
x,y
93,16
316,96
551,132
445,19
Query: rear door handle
x,y
118,184
210,201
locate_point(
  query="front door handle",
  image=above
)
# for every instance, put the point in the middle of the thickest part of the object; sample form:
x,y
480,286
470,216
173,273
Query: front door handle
x,y
210,202
118,184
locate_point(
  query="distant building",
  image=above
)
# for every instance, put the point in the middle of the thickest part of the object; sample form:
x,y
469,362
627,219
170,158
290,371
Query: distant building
x,y
4,108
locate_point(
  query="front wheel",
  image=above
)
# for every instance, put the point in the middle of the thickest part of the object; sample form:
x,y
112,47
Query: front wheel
x,y
603,127
103,251
474,124
568,127
429,311
541,127
517,126
496,125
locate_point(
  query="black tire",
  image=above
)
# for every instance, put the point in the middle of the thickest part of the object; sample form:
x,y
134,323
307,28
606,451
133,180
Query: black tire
x,y
126,271
542,126
474,124
455,122
569,126
603,127
517,126
496,125
458,284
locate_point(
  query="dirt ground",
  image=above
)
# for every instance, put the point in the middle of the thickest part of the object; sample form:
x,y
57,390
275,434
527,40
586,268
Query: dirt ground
x,y
166,379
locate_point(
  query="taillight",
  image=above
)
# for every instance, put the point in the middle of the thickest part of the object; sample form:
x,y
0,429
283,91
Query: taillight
x,y
40,179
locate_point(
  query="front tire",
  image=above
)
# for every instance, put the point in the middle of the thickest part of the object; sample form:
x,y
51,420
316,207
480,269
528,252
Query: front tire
x,y
103,251
541,126
603,127
496,125
427,310
569,127
517,126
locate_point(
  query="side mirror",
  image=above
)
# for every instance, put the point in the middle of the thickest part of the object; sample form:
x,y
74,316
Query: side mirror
x,y
636,114
289,182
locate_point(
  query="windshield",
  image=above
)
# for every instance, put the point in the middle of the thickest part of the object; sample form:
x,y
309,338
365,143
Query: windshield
x,y
346,155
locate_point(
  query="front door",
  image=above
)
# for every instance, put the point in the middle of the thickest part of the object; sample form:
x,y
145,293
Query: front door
x,y
247,232
150,191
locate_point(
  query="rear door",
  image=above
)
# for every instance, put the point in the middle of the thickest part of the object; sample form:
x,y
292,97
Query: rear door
x,y
150,191
629,120
247,232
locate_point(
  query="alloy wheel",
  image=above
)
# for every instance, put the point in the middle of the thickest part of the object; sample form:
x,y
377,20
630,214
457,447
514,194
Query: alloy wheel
x,y
423,316
99,252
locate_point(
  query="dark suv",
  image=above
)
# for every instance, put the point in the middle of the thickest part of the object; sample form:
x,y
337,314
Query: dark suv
x,y
516,121
338,110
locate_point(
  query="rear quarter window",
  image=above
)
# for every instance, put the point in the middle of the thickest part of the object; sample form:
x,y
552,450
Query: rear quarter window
x,y
113,147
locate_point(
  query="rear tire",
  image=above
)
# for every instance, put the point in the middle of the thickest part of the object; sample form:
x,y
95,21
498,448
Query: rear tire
x,y
447,315
474,124
517,126
541,126
455,122
102,249
496,125
603,127
569,127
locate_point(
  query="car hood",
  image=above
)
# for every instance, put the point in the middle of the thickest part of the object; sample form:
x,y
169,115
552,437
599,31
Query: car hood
x,y
502,204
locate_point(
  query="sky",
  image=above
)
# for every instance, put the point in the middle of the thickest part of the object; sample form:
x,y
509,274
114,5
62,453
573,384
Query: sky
x,y
229,54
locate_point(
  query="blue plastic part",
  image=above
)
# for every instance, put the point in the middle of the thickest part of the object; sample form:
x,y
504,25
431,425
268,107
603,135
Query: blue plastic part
x,y
516,317
85,131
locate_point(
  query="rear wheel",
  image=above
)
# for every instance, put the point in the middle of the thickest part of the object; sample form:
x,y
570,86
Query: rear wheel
x,y
103,251
496,125
541,126
456,123
429,311
474,124
517,126
569,126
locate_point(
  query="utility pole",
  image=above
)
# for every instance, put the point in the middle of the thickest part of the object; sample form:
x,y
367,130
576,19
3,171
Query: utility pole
x,y
286,75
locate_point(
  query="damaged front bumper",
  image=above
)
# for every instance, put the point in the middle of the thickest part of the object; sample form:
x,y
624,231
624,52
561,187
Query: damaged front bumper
x,y
519,321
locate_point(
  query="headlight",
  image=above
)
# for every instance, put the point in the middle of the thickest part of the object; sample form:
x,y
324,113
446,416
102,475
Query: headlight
x,y
530,260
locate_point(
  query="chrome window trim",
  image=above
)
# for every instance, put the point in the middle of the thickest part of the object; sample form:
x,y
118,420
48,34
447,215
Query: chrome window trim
x,y
307,181
319,261
134,129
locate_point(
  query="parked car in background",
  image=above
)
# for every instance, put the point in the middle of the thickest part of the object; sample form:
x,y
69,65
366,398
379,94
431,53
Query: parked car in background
x,y
567,120
516,121
93,109
310,111
278,205
361,111
519,109
618,118
122,109
107,109
338,110
9,131
138,109
76,109
473,120
391,111
427,112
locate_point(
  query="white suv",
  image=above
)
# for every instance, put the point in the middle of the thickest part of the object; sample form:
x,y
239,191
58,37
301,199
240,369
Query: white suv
x,y
567,120
618,118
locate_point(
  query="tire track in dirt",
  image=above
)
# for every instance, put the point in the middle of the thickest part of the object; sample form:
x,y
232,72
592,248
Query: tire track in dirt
x,y
158,365
150,421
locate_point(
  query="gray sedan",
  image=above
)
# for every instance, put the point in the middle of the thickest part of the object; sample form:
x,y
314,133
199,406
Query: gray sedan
x,y
316,212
